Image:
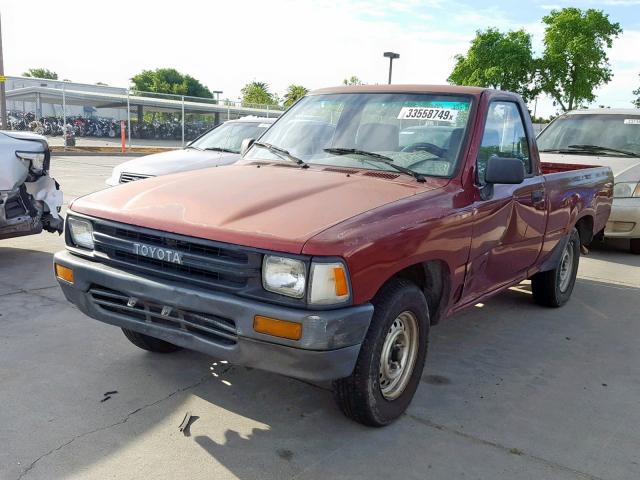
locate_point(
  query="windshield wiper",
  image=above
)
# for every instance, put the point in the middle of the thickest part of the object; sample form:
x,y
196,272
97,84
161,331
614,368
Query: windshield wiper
x,y
282,153
220,149
378,158
598,148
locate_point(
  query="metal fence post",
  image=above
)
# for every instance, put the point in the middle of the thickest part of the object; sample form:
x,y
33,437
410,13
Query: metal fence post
x,y
128,119
64,106
267,110
182,121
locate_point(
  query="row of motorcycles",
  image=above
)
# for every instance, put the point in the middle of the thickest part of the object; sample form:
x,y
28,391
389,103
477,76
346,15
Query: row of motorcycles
x,y
170,129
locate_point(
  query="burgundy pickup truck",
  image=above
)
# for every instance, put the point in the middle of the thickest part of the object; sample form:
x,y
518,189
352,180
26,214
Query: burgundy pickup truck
x,y
361,218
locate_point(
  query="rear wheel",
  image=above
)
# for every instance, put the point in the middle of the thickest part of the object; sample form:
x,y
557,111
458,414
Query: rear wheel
x,y
554,287
391,359
634,246
151,344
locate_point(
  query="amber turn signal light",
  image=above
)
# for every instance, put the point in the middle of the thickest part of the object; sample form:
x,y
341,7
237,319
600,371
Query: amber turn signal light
x,y
65,273
277,328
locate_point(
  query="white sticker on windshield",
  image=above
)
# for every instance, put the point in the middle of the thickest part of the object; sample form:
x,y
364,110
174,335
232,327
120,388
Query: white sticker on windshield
x,y
428,113
632,121
264,125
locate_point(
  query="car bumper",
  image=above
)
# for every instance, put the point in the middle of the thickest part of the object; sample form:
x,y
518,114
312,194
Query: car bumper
x,y
327,350
624,221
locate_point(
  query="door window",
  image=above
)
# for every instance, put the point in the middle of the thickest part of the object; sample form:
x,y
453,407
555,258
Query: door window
x,y
504,136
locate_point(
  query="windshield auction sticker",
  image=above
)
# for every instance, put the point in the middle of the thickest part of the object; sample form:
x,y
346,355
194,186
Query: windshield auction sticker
x,y
428,113
627,121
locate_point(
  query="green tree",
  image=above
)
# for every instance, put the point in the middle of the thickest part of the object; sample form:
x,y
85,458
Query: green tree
x,y
293,94
353,80
169,80
257,93
498,60
574,62
636,92
41,73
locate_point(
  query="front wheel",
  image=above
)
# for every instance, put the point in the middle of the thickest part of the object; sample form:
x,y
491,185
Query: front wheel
x,y
148,343
391,359
553,288
634,246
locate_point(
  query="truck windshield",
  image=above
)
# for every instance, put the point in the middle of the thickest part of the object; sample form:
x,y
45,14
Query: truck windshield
x,y
418,132
616,135
228,136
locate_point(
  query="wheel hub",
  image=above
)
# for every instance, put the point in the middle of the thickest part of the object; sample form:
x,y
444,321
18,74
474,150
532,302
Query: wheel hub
x,y
398,356
566,267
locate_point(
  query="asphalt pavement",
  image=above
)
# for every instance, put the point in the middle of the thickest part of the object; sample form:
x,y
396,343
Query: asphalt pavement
x,y
511,390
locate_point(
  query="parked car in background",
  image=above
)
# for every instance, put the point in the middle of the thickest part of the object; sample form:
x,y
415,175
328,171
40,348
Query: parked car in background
x,y
30,199
329,251
217,147
608,137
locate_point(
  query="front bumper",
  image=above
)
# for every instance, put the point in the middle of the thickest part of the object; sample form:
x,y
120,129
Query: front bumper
x,y
328,349
624,221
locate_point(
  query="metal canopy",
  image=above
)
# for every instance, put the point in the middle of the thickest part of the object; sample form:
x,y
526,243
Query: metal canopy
x,y
116,100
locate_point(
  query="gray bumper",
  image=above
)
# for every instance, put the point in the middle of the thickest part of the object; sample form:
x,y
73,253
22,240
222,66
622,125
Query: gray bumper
x,y
328,348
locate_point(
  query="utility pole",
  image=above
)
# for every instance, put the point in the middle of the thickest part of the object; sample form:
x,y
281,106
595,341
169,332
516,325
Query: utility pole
x,y
3,93
391,56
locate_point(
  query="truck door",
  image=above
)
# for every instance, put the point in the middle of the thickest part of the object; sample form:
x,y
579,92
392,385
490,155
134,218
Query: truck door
x,y
509,222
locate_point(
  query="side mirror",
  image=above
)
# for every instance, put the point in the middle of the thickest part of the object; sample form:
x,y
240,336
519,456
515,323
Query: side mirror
x,y
246,145
504,170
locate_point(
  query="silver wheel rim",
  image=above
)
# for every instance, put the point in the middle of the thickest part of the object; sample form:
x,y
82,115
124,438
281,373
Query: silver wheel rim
x,y
566,267
398,356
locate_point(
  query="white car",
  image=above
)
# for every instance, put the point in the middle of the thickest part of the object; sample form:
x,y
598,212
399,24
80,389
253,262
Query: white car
x,y
606,137
30,200
217,147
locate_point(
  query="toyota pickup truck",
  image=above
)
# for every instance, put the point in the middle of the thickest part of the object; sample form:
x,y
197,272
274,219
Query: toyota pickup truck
x,y
361,218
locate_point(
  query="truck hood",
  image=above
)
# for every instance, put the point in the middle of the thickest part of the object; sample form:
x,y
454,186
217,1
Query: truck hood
x,y
173,161
271,207
625,169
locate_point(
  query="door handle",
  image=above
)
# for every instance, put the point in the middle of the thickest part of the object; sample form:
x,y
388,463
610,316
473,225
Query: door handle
x,y
537,197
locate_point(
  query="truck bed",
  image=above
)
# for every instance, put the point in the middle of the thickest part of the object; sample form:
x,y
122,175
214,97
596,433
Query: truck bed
x,y
550,167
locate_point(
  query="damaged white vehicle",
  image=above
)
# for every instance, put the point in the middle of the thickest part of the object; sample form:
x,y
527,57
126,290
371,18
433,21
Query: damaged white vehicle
x,y
30,200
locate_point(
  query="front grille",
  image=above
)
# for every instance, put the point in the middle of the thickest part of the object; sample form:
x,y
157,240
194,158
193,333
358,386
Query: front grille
x,y
203,263
205,325
126,177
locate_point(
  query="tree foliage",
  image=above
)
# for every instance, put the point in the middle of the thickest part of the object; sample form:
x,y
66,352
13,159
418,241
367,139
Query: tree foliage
x,y
293,94
636,92
498,60
169,80
574,62
41,73
353,80
257,93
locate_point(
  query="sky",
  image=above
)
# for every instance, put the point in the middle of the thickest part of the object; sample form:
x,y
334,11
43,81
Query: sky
x,y
315,43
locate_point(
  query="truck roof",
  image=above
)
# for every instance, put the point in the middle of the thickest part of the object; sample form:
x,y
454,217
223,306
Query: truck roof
x,y
605,111
475,91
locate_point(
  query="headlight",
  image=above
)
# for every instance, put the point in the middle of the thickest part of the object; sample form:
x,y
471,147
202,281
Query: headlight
x,y
285,276
328,284
626,190
81,232
35,159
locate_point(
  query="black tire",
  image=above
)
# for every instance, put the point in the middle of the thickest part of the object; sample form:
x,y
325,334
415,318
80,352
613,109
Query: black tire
x,y
360,396
634,246
151,344
547,287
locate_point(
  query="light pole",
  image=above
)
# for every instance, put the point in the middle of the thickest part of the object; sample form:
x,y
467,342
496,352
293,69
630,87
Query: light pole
x,y
3,96
391,56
